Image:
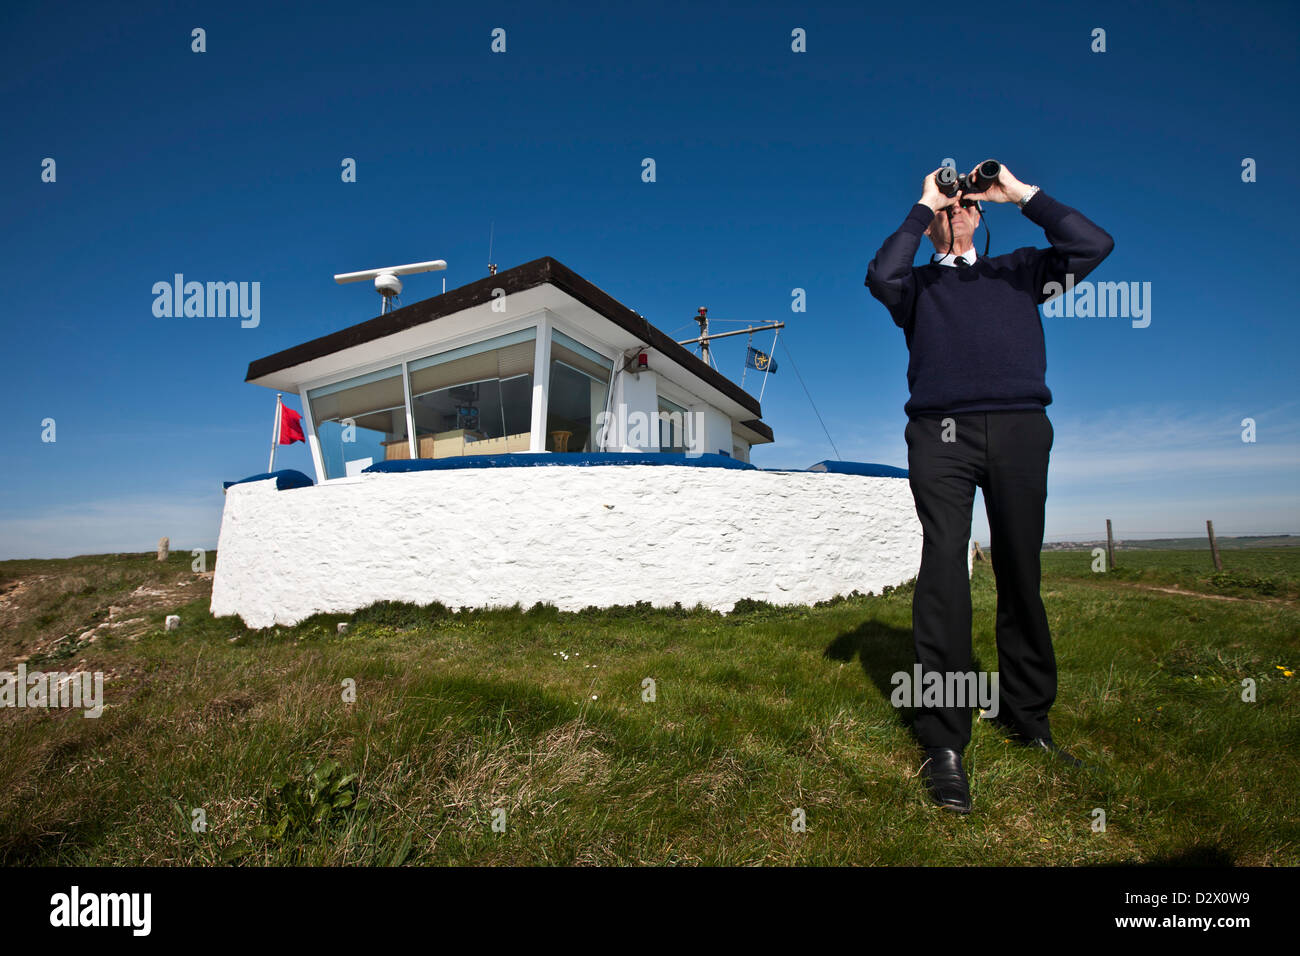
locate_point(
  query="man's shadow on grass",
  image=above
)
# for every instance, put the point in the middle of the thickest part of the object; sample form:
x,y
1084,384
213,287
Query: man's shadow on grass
x,y
883,650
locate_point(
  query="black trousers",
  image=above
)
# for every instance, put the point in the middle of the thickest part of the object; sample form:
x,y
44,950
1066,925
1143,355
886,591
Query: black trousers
x,y
1005,454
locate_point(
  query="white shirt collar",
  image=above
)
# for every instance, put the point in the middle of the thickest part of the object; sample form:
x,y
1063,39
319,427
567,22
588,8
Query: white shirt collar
x,y
951,260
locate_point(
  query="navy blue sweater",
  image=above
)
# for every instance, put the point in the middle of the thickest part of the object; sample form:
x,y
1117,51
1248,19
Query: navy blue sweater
x,y
974,335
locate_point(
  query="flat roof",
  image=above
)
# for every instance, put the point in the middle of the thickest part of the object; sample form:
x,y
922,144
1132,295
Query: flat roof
x,y
539,272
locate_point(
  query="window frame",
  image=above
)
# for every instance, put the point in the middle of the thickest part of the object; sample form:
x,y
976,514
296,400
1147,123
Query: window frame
x,y
536,320
609,353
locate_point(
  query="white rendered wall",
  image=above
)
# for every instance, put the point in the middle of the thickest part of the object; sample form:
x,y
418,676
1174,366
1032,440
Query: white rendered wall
x,y
634,393
569,536
717,431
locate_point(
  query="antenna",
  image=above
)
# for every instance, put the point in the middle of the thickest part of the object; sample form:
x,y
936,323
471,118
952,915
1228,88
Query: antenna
x,y
702,317
386,282
492,266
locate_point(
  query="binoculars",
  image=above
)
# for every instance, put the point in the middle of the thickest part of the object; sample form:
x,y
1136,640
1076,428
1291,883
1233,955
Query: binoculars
x,y
950,182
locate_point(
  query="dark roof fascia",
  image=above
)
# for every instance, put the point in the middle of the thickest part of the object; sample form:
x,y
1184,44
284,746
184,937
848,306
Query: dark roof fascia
x,y
761,428
519,279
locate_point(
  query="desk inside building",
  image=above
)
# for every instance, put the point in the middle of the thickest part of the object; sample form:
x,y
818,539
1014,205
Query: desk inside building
x,y
454,443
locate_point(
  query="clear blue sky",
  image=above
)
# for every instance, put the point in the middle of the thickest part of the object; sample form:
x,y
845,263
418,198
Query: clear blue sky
x,y
775,170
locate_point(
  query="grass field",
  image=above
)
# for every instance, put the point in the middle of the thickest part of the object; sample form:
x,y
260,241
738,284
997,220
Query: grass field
x,y
540,714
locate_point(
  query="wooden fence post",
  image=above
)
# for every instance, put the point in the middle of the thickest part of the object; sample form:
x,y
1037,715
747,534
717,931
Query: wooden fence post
x,y
1214,546
1110,547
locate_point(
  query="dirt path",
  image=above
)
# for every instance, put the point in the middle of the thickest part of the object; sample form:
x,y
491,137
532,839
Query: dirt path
x,y
1183,592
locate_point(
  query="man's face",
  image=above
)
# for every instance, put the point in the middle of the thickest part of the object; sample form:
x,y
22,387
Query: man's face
x,y
965,220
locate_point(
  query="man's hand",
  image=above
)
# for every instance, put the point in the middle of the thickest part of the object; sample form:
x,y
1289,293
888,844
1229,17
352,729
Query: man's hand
x,y
930,195
1006,189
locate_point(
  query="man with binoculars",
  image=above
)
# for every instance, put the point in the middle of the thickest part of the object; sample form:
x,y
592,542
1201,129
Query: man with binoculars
x,y
976,416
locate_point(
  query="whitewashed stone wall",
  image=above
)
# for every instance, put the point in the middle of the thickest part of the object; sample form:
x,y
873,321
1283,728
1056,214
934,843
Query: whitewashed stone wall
x,y
569,536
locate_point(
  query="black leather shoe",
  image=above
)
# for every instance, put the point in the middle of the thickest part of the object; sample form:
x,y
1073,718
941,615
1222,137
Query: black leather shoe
x,y
1038,742
946,779
1047,744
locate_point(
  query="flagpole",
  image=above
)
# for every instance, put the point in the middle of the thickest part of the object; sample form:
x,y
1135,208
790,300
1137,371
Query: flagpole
x,y
275,432
769,365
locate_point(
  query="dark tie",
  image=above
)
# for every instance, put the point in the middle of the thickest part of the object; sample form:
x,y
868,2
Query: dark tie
x,y
962,263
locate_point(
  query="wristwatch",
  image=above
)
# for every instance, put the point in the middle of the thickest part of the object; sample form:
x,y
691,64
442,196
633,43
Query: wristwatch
x,y
1029,194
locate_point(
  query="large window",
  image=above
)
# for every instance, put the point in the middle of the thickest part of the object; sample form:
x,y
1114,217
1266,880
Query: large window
x,y
579,387
359,421
472,400
475,400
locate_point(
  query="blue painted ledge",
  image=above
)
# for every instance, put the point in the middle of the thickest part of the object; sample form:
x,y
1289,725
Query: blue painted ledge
x,y
284,478
532,459
529,459
862,468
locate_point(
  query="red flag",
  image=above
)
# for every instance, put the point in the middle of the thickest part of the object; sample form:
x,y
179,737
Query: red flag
x,y
290,426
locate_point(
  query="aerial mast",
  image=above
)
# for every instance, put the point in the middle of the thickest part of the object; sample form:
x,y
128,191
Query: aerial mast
x,y
702,317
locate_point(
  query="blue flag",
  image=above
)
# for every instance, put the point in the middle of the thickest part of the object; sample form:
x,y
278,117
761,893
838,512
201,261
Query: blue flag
x,y
759,360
